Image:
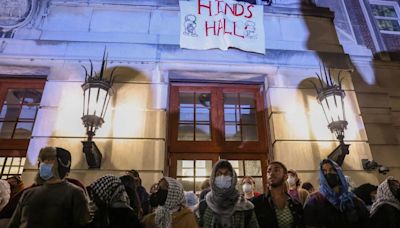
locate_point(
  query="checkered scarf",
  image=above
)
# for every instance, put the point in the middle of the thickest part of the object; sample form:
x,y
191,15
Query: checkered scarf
x,y
385,196
108,188
175,199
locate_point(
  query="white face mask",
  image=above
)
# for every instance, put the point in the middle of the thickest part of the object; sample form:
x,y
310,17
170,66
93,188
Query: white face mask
x,y
291,180
247,188
223,181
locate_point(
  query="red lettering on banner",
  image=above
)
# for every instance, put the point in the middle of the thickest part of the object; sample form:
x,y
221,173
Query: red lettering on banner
x,y
225,32
250,13
205,6
209,27
231,9
238,6
234,31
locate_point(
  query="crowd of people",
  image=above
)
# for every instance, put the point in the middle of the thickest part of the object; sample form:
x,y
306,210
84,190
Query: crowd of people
x,y
56,201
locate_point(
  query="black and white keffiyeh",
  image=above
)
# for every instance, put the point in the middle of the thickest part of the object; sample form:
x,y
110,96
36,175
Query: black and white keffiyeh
x,y
175,199
385,196
108,188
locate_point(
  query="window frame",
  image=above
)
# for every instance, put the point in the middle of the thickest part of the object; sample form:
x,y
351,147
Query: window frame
x,y
17,147
396,7
217,143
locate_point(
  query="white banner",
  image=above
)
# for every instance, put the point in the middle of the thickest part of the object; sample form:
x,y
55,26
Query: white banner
x,y
207,24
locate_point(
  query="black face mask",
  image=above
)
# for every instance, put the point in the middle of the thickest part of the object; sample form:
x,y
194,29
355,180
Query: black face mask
x,y
158,198
332,179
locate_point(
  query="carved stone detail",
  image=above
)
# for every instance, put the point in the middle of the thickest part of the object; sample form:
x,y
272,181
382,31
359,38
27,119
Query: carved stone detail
x,y
16,13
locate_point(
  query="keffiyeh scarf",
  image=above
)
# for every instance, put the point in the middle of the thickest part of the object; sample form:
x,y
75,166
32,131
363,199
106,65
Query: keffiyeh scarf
x,y
175,199
385,196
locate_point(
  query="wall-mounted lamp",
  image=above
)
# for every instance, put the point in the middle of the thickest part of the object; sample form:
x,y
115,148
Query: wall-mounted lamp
x,y
330,97
97,91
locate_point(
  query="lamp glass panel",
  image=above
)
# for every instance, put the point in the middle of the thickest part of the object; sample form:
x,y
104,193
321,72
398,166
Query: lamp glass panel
x,y
96,100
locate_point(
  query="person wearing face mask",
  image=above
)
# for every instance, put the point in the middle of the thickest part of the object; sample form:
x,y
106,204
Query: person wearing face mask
x,y
367,193
295,191
248,188
333,205
385,211
276,208
171,211
223,207
141,191
55,203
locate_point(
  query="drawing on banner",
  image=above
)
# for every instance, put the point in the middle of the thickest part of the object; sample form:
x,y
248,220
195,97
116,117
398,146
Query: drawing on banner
x,y
250,30
190,25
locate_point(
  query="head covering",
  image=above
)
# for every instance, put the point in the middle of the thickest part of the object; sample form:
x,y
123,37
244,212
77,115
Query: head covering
x,y
191,200
5,193
342,200
63,158
385,196
109,189
175,199
220,200
63,161
364,192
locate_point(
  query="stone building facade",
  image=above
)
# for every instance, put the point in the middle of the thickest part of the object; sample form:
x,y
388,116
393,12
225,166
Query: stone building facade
x,y
52,39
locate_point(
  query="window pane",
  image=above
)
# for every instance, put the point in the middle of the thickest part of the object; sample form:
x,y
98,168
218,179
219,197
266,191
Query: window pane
x,y
231,100
231,115
259,184
16,161
232,132
249,133
188,183
6,129
203,133
14,170
203,100
248,116
2,159
23,130
14,96
203,167
253,168
10,112
185,132
186,115
247,100
28,112
237,165
185,168
383,10
186,100
202,115
388,25
33,96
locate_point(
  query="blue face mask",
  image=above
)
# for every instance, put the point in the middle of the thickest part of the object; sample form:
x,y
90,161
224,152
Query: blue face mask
x,y
45,171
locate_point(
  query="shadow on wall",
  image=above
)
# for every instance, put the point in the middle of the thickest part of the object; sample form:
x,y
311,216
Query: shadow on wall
x,y
330,62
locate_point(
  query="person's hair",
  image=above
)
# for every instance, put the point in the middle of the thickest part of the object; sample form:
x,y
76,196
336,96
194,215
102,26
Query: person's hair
x,y
15,177
248,177
307,186
293,172
133,172
130,188
280,164
205,184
